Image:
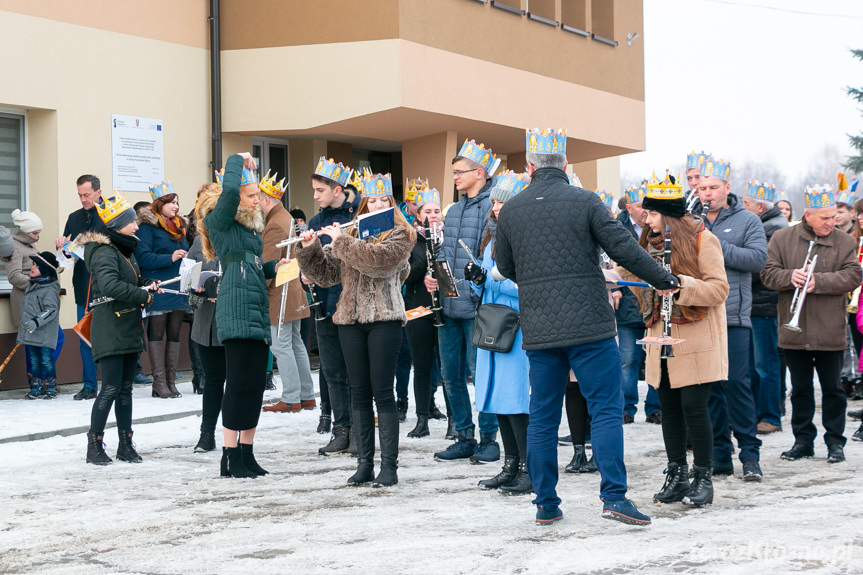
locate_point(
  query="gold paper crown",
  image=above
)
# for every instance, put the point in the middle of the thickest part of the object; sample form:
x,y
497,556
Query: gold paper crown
x,y
269,186
664,190
113,207
356,180
415,187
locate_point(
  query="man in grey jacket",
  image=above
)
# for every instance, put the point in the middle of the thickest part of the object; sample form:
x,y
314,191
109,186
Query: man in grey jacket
x,y
744,248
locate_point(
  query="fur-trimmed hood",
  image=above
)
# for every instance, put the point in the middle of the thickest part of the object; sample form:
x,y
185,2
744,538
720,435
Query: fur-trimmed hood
x,y
85,238
251,218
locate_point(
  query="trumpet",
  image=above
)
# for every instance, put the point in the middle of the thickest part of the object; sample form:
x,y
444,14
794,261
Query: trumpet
x,y
296,240
796,295
855,295
794,324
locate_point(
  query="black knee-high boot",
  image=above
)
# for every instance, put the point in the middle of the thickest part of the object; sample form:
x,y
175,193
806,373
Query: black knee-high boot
x,y
388,429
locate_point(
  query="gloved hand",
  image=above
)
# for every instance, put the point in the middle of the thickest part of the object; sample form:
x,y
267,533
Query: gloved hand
x,y
30,326
474,273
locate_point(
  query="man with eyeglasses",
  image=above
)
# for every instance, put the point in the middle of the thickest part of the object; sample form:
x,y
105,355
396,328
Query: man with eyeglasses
x,y
466,220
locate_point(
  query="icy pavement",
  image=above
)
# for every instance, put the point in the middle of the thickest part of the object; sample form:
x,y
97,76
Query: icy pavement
x,y
173,514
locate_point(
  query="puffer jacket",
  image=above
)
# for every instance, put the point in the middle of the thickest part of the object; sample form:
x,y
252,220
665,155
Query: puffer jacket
x,y
155,256
329,297
763,299
371,273
465,220
548,241
18,272
744,247
823,317
42,303
116,327
242,308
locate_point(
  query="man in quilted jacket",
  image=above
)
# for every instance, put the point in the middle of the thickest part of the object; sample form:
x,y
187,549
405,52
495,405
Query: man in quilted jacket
x,y
548,241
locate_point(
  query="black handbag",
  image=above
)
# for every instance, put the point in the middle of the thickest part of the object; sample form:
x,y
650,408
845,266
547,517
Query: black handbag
x,y
495,327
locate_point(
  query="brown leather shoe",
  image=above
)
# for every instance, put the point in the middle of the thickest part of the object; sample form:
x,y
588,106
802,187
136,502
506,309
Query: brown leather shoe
x,y
283,407
627,418
309,404
764,428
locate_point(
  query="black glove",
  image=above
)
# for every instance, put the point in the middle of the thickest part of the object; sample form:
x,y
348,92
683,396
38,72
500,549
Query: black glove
x,y
474,273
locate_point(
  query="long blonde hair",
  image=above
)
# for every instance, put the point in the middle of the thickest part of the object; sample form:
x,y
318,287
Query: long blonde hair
x,y
398,218
205,204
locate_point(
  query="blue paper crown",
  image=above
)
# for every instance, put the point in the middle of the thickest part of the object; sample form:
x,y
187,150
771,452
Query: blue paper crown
x,y
247,178
574,181
330,169
694,160
781,196
159,190
716,168
635,194
428,196
376,184
545,141
480,154
845,197
607,199
511,182
819,197
761,191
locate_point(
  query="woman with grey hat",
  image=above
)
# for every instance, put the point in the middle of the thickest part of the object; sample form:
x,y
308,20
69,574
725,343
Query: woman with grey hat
x,y
18,269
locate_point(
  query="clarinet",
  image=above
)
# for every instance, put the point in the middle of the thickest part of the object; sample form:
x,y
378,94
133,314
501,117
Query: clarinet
x,y
316,303
666,352
705,207
432,250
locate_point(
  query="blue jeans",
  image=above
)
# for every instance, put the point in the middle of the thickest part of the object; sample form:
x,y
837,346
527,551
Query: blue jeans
x,y
55,353
403,368
42,359
764,370
731,403
596,366
456,351
630,357
87,363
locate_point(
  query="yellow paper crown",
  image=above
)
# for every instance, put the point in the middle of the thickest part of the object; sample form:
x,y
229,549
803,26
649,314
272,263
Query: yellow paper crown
x,y
664,190
269,186
356,180
113,207
415,187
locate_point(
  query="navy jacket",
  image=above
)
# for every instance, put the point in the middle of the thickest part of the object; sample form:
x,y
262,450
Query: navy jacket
x,y
628,312
78,222
764,300
329,297
154,254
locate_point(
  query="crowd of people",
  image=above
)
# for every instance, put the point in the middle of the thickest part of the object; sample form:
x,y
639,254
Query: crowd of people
x,y
709,295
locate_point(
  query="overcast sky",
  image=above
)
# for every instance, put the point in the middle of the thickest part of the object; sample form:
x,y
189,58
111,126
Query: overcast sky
x,y
748,80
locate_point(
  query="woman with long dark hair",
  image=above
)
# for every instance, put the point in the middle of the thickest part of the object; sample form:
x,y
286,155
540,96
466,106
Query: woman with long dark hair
x,y
370,315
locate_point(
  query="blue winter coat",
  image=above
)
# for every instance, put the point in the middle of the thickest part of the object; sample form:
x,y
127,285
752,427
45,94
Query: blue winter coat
x,y
154,255
502,380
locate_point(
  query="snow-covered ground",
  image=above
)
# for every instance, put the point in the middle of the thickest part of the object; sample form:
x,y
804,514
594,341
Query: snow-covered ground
x,y
173,514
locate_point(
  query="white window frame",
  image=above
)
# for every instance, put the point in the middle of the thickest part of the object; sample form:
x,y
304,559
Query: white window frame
x,y
24,197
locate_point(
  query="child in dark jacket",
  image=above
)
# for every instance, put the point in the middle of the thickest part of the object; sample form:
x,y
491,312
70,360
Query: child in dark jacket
x,y
39,322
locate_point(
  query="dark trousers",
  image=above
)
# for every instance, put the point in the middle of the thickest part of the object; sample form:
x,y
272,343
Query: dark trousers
x,y
422,337
335,372
828,364
513,433
732,404
245,380
682,408
213,362
403,367
576,414
118,371
371,351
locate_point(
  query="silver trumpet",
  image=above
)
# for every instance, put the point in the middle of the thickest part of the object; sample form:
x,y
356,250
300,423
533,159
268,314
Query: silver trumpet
x,y
799,298
796,295
296,240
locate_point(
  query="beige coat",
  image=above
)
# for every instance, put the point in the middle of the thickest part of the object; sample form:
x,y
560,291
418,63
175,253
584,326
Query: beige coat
x,y
703,356
371,273
280,226
18,272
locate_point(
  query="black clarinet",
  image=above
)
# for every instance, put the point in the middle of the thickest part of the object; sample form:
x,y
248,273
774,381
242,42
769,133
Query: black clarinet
x,y
316,303
666,352
705,207
432,251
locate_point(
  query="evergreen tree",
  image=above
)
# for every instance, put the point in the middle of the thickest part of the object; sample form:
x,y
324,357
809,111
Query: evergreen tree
x,y
855,163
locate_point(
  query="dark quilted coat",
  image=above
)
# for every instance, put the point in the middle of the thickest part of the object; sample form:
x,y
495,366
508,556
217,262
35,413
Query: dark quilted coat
x,y
764,300
465,220
242,306
548,242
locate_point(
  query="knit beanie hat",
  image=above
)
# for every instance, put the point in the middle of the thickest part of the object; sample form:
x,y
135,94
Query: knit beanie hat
x,y
26,221
7,245
500,194
298,214
47,264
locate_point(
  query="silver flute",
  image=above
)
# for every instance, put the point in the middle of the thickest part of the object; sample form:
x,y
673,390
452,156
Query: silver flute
x,y
296,240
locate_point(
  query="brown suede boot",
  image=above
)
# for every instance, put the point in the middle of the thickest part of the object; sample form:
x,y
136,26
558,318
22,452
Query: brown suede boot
x,y
172,356
157,364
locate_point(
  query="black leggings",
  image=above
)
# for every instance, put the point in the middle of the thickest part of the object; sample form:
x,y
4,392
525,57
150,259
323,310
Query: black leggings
x,y
513,433
170,322
371,351
246,379
117,374
576,413
213,361
422,336
682,408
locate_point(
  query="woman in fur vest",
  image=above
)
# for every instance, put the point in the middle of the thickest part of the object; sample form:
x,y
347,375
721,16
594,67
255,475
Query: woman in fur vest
x,y
232,231
698,318
370,315
161,245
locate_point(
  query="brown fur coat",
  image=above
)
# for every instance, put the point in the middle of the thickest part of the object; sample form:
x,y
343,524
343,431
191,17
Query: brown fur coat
x,y
371,274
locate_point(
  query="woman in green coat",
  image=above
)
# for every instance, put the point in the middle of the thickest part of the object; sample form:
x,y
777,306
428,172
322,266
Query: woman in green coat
x,y
116,331
232,232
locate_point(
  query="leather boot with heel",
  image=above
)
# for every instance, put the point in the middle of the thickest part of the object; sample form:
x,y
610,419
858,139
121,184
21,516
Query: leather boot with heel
x,y
388,430
506,475
96,450
156,350
676,485
363,430
702,487
249,459
236,464
172,357
126,449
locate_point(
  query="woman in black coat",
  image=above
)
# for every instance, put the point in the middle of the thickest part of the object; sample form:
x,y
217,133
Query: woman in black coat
x,y
117,333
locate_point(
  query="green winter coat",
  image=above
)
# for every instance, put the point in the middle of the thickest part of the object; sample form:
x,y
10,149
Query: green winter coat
x,y
242,306
116,328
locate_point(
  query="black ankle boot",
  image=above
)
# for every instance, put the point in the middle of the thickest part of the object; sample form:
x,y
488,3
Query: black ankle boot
x,y
521,484
422,427
579,460
388,431
126,449
223,465
207,442
435,413
590,466
676,485
506,475
365,472
451,432
236,465
96,450
702,487
249,459
402,409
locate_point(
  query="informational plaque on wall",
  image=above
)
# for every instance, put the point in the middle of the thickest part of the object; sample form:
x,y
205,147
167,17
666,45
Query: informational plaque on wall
x,y
137,152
